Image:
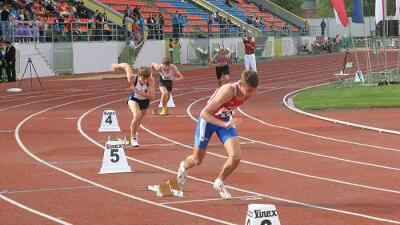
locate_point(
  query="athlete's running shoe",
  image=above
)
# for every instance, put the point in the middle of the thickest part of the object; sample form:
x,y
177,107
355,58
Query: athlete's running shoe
x,y
134,142
182,173
220,187
163,111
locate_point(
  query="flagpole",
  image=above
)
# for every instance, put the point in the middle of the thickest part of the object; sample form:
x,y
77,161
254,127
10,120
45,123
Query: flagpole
x,y
355,50
384,34
369,69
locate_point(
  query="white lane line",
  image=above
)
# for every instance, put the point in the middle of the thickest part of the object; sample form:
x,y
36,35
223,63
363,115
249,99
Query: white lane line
x,y
233,188
28,152
47,189
75,162
380,130
51,99
6,131
79,125
34,211
318,136
243,198
260,194
303,152
315,135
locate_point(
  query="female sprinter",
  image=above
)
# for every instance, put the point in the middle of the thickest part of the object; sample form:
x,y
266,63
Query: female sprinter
x,y
221,62
216,117
143,90
168,74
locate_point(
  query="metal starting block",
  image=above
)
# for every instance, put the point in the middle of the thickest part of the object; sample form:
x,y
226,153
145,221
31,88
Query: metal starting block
x,y
169,188
124,141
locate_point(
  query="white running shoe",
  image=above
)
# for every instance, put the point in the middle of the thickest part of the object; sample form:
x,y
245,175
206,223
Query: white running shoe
x,y
219,186
134,142
182,173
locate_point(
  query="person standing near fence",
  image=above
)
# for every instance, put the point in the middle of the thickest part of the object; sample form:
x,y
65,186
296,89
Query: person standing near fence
x,y
250,50
323,26
171,50
10,62
177,52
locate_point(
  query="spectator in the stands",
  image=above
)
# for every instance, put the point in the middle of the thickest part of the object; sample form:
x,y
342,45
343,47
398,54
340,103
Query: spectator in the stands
x,y
175,25
136,11
5,23
161,22
209,26
150,26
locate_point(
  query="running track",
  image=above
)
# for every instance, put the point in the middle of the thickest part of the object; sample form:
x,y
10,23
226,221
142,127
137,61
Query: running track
x,y
315,172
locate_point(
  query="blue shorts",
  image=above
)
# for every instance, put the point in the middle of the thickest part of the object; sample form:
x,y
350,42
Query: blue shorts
x,y
205,130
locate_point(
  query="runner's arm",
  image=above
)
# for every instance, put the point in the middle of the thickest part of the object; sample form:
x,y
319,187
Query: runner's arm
x,y
177,75
128,70
155,67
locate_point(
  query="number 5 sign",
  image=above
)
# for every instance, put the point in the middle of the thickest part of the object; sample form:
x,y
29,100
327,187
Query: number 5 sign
x,y
114,158
109,122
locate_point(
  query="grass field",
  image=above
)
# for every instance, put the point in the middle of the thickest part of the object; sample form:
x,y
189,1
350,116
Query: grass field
x,y
331,96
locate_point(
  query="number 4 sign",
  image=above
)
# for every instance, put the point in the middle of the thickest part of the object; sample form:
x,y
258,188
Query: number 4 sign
x,y
109,122
114,158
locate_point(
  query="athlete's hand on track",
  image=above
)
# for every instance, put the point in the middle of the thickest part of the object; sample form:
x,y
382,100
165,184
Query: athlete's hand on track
x,y
233,122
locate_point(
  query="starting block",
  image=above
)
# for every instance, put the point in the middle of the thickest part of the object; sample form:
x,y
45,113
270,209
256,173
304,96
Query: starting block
x,y
124,141
167,189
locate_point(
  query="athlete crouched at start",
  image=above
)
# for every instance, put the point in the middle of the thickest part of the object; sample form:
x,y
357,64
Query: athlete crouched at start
x,y
216,117
143,90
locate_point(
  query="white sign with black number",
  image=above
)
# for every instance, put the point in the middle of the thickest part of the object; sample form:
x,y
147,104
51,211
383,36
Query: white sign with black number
x,y
262,214
114,159
109,122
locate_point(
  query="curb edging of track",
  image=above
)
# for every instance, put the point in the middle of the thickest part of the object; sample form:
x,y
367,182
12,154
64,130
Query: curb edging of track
x,y
288,102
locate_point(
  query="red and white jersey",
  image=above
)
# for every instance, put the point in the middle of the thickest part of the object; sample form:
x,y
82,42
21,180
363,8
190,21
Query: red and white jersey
x,y
227,109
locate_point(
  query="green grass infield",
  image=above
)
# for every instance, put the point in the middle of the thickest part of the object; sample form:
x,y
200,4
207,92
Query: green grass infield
x,y
332,96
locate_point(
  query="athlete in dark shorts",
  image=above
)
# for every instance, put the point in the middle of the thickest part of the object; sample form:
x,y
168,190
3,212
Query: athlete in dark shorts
x,y
168,74
221,62
143,90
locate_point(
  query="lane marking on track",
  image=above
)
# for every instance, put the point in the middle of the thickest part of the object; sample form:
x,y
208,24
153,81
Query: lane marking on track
x,y
315,135
6,131
75,162
356,125
256,193
243,198
28,152
48,189
34,211
233,188
188,110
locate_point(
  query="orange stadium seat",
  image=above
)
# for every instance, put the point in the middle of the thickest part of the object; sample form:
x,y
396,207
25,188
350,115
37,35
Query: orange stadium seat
x,y
174,10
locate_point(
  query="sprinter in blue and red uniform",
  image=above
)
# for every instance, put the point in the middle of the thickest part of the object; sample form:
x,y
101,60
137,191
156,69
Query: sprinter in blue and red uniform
x,y
217,117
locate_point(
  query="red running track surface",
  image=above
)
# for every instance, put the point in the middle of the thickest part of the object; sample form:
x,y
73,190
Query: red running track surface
x,y
315,172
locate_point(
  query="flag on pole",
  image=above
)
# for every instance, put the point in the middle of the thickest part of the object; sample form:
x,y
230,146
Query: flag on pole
x,y
379,14
340,11
358,15
397,15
